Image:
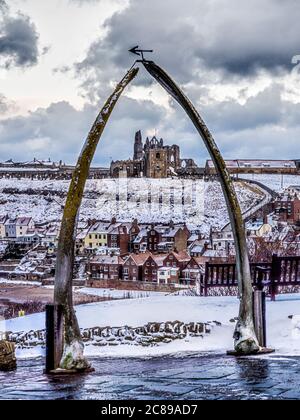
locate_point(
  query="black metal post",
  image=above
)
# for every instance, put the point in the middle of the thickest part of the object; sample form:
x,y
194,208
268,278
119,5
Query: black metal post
x,y
54,337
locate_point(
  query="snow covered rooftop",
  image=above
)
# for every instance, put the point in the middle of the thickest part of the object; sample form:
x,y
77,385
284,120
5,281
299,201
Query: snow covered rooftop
x,y
23,221
99,227
113,260
139,259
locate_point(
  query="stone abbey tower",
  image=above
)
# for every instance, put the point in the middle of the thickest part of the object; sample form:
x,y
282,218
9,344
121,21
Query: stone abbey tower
x,y
152,159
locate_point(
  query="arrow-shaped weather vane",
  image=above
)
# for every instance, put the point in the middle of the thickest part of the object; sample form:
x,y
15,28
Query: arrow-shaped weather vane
x,y
136,51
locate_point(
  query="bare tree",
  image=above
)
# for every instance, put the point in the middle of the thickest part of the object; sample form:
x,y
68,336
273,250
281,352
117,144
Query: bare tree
x,y
245,338
73,357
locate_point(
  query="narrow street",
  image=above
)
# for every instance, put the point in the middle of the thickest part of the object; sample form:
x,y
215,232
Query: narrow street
x,y
188,377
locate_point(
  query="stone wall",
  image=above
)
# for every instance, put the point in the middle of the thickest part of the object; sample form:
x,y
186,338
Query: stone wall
x,y
148,335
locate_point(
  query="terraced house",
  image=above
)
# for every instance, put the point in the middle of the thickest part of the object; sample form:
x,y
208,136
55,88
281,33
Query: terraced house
x,y
133,267
16,228
151,267
105,268
97,236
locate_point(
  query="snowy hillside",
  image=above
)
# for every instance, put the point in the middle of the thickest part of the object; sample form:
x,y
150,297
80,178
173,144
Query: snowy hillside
x,y
148,200
276,182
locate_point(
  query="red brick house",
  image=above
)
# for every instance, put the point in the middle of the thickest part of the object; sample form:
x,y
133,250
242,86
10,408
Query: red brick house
x,y
151,267
177,259
140,243
174,239
154,236
193,270
118,236
168,238
105,268
133,267
288,209
134,232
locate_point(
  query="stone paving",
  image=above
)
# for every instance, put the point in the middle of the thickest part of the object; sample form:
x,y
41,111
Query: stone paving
x,y
190,377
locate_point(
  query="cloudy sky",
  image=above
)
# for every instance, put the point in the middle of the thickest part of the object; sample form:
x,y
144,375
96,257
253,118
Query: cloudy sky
x,y
238,62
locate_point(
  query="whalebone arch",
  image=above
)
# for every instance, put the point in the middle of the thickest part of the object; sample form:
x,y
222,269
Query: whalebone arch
x,y
72,357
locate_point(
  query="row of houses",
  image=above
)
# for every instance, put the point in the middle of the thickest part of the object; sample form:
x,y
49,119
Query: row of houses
x,y
174,268
256,166
15,228
22,230
44,169
132,237
106,238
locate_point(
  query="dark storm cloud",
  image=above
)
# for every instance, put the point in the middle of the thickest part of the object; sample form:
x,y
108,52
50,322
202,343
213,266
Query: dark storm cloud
x,y
266,108
60,130
18,39
192,37
195,41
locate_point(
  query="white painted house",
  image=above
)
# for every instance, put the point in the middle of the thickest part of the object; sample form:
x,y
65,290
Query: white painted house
x,y
23,225
16,228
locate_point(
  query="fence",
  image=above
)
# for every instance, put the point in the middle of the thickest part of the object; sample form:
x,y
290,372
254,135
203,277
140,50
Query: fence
x,y
279,276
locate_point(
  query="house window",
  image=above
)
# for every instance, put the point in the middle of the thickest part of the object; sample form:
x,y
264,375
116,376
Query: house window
x,y
126,271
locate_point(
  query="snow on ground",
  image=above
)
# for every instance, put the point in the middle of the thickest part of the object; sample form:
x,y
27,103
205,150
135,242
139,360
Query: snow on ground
x,y
194,201
215,210
283,333
118,294
19,282
276,182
